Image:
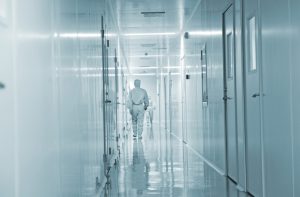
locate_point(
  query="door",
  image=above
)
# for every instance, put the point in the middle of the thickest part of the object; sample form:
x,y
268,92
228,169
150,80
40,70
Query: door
x,y
252,99
7,108
230,94
110,100
106,100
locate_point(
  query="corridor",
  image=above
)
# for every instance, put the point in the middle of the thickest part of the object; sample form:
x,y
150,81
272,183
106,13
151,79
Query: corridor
x,y
214,83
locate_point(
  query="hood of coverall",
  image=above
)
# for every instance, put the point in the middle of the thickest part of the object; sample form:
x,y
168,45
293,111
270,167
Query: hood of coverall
x,y
137,83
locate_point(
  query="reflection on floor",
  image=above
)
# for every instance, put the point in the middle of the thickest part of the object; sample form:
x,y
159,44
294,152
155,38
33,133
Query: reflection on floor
x,y
160,165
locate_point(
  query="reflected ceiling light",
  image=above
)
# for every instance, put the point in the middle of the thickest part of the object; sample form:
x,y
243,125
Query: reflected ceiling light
x,y
205,33
151,34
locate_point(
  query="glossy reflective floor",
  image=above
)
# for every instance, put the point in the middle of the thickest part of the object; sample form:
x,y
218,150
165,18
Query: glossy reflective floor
x,y
160,165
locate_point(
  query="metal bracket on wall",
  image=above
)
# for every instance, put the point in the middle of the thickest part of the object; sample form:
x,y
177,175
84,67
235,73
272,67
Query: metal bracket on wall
x,y
225,98
107,101
2,86
98,184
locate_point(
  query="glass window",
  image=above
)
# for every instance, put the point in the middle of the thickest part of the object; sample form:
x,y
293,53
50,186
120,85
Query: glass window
x,y
252,43
230,55
204,75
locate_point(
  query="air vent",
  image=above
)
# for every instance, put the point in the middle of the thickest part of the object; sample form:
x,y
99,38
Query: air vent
x,y
145,58
148,45
160,48
153,14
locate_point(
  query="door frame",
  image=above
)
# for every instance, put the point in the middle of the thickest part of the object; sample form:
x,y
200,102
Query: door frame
x,y
231,5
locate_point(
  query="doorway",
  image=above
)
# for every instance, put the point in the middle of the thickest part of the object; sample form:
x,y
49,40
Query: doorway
x,y
230,94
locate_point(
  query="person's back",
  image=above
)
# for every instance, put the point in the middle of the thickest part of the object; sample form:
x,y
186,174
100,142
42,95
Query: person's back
x,y
138,99
138,95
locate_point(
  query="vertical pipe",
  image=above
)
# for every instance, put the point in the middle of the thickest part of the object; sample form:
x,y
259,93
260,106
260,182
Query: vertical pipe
x,y
103,88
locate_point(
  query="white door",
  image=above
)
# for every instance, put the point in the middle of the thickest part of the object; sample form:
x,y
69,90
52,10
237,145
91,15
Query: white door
x,y
7,106
230,94
252,99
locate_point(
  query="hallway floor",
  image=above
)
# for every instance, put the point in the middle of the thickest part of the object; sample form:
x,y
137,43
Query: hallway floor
x,y
161,165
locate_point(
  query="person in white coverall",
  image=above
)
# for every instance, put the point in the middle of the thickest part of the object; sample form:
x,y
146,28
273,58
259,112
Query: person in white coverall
x,y
138,103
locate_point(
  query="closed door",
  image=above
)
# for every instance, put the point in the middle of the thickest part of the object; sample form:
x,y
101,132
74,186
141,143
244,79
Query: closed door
x,y
7,108
106,98
252,99
230,94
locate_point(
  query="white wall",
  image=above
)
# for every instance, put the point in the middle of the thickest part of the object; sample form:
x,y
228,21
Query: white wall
x,y
280,59
51,139
7,109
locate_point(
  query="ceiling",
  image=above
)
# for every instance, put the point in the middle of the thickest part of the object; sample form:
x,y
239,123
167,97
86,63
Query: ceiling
x,y
150,41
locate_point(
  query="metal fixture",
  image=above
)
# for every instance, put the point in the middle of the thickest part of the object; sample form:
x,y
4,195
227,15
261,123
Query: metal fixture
x,y
2,86
255,95
186,35
153,14
225,98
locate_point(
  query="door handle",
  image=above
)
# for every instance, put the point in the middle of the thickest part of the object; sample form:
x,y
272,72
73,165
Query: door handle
x,y
225,98
255,95
2,86
107,101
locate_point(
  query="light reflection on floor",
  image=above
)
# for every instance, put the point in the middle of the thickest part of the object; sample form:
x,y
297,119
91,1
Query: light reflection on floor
x,y
160,165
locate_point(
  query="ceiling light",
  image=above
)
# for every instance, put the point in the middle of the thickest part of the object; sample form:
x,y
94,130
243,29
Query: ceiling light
x,y
205,33
150,34
82,35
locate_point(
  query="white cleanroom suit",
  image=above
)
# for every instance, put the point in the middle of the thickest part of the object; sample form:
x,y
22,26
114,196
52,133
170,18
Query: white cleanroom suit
x,y
137,103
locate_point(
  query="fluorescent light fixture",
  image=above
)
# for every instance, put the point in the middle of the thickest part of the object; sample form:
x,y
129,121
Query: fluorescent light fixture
x,y
98,35
205,33
82,35
150,34
151,56
151,74
154,67
34,36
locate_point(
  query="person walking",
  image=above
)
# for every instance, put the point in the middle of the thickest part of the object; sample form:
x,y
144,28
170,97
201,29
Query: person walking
x,y
138,103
